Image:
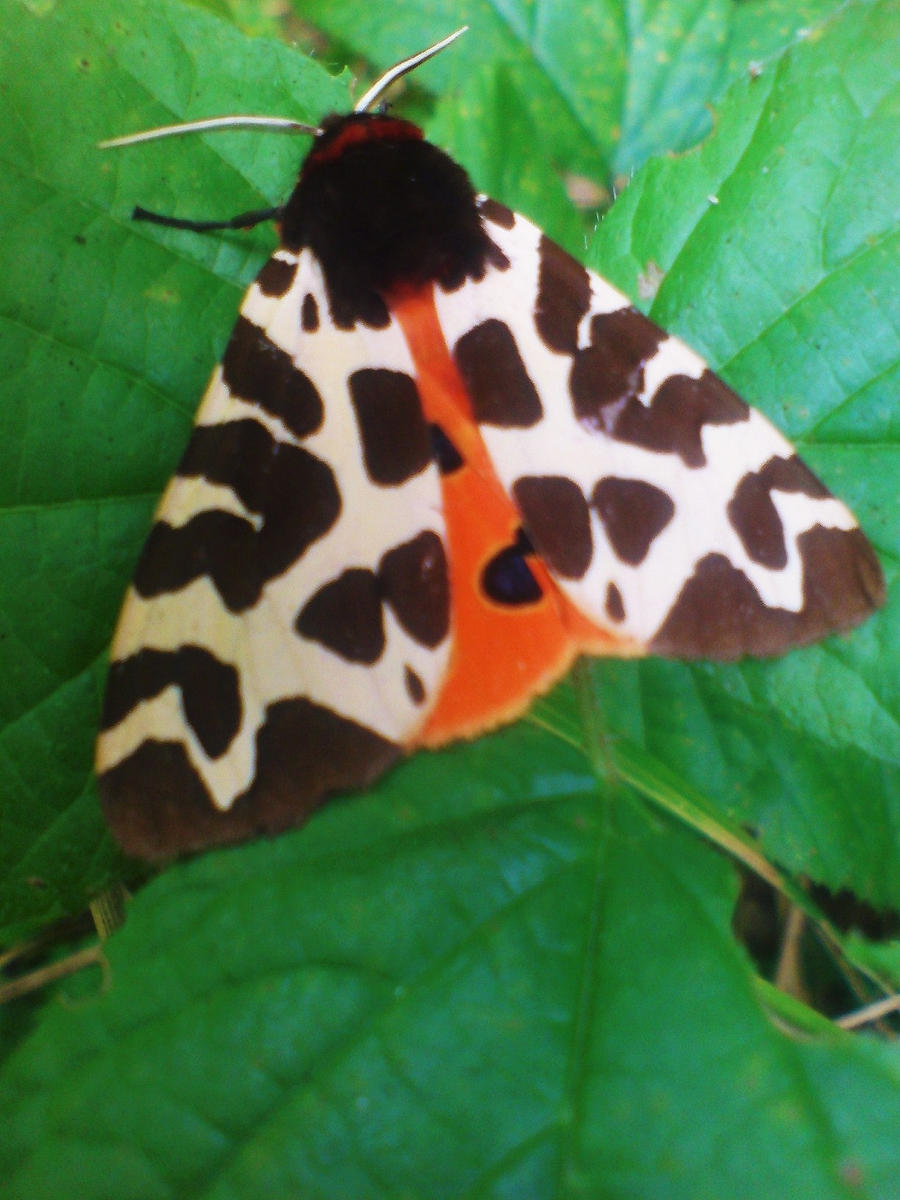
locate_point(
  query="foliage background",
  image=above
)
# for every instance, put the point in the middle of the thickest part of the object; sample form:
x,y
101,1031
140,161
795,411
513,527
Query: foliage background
x,y
503,972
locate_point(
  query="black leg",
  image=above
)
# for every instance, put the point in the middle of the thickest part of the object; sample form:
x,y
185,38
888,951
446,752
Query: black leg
x,y
244,220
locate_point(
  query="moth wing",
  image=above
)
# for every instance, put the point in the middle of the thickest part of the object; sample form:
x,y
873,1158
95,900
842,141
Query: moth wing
x,y
288,625
667,510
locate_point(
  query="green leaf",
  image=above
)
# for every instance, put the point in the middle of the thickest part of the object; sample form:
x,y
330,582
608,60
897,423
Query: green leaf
x,y
464,995
607,84
495,974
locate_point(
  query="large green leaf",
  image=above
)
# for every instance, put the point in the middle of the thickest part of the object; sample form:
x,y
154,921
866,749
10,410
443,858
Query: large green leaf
x,y
444,990
495,974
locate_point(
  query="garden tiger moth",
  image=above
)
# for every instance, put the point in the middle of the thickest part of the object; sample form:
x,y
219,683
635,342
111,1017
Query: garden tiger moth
x,y
439,460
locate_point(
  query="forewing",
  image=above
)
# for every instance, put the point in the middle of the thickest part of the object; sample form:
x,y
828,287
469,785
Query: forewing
x,y
288,624
667,510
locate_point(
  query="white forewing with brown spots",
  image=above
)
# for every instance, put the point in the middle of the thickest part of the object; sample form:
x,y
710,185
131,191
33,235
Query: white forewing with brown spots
x,y
274,591
667,510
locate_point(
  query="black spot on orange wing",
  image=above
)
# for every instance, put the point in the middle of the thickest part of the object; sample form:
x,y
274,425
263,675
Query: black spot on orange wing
x,y
673,422
345,616
557,519
276,277
293,494
507,578
719,613
615,605
309,314
158,806
210,695
258,371
499,387
633,513
415,582
753,514
395,438
609,374
564,296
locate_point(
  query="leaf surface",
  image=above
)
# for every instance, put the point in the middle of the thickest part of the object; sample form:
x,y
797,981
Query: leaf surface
x,y
502,972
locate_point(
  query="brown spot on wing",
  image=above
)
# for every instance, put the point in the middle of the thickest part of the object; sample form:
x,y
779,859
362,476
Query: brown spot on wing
x,y
719,613
843,580
158,806
214,543
633,513
395,438
415,688
415,582
615,605
445,453
305,752
498,213
345,616
673,421
492,370
793,475
495,258
293,492
309,314
755,520
258,371
556,517
609,373
210,695
276,277
564,296
753,514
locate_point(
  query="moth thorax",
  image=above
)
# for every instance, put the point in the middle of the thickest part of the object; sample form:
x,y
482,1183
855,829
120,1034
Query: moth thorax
x,y
382,208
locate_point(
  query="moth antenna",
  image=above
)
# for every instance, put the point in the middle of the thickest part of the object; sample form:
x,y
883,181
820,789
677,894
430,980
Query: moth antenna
x,y
285,124
365,102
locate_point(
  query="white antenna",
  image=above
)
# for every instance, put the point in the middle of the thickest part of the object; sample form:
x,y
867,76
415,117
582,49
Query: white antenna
x,y
236,122
284,124
365,102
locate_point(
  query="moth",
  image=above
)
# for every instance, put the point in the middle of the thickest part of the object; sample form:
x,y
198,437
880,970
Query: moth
x,y
438,460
